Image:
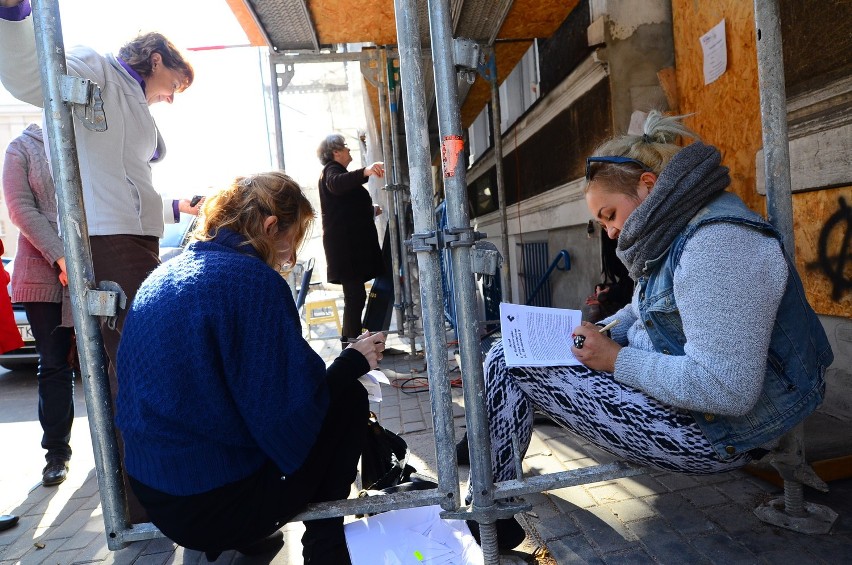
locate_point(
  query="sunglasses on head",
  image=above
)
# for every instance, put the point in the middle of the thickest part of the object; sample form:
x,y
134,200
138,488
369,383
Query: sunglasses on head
x,y
613,159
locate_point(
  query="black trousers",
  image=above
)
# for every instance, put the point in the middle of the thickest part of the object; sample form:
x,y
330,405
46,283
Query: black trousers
x,y
354,298
240,513
126,260
55,377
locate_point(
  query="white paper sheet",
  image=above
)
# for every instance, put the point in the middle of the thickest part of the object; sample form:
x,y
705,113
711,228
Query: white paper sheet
x,y
715,49
538,337
412,536
372,382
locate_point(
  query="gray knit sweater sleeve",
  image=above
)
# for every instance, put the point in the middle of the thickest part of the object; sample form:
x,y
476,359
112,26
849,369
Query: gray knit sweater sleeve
x,y
728,286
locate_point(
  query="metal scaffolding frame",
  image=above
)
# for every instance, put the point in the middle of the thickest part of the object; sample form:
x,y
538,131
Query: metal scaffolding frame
x,y
490,501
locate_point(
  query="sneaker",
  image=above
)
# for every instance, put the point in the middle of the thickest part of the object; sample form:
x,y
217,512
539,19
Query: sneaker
x,y
54,473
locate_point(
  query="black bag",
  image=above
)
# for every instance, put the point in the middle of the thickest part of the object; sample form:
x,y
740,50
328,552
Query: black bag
x,y
384,460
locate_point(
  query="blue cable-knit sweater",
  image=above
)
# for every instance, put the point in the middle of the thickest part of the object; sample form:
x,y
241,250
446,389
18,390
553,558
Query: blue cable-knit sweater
x,y
214,375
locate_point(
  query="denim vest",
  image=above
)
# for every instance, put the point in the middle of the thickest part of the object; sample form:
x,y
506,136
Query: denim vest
x,y
799,352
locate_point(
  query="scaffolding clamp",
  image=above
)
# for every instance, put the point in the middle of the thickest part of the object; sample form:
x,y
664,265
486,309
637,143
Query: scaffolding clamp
x,y
468,57
106,301
428,241
85,99
461,237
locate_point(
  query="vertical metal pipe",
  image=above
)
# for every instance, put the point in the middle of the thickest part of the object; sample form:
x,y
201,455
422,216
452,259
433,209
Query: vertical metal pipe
x,y
497,134
390,175
59,127
276,110
431,292
452,151
779,199
408,303
773,113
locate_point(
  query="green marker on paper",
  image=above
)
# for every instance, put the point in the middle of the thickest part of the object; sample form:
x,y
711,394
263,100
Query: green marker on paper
x,y
418,555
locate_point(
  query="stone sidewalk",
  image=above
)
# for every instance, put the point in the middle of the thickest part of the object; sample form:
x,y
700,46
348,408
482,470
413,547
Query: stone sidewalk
x,y
651,518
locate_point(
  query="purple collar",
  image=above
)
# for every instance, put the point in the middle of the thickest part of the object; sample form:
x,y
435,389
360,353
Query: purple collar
x,y
133,73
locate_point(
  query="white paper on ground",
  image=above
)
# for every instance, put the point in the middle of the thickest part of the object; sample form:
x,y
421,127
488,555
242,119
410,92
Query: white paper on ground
x,y
411,536
371,382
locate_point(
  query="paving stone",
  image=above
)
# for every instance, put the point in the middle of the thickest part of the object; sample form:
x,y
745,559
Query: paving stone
x,y
565,453
642,485
675,482
159,545
631,510
555,527
680,514
605,531
574,549
749,493
412,427
664,544
537,447
771,539
736,519
412,415
704,496
721,548
570,499
635,556
829,549
542,465
608,493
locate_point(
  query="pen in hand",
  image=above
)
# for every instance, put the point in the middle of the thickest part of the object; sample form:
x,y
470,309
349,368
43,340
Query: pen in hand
x,y
609,326
355,340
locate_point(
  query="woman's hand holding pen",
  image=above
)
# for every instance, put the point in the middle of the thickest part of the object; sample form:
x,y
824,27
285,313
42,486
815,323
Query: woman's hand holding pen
x,y
370,346
593,348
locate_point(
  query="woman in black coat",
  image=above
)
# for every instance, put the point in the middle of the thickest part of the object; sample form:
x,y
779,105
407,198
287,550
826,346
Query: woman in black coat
x,y
349,231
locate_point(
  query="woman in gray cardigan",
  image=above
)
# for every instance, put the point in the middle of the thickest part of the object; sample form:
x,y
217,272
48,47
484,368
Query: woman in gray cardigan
x,y
37,282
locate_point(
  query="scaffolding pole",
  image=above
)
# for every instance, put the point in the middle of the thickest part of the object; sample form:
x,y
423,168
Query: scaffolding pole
x,y
425,228
505,281
59,128
399,193
390,186
789,458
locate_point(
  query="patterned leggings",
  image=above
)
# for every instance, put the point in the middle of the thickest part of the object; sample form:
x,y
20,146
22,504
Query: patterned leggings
x,y
617,418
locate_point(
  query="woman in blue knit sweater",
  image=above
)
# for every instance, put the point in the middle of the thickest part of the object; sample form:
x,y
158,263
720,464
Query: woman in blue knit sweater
x,y
225,449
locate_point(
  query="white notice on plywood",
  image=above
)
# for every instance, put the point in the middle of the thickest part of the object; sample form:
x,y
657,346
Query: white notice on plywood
x,y
715,50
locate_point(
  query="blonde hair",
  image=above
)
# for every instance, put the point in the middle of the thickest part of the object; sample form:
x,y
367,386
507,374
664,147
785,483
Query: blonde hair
x,y
248,202
654,148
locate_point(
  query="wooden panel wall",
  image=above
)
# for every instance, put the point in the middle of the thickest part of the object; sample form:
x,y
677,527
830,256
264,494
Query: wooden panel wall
x,y
727,114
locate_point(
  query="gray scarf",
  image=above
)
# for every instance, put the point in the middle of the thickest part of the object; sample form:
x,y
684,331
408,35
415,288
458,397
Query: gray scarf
x,y
690,180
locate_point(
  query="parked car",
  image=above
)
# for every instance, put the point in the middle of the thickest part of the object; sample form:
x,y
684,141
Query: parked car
x,y
174,239
26,357
176,236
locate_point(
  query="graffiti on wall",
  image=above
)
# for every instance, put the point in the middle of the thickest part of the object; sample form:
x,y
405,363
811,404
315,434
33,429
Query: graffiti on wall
x,y
834,251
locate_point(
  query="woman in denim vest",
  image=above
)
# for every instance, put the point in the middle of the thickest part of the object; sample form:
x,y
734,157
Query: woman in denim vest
x,y
697,376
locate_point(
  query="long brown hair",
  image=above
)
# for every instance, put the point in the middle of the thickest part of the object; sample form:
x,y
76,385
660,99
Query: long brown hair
x,y
248,202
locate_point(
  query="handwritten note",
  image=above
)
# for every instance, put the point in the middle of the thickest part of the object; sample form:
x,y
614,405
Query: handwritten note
x,y
538,337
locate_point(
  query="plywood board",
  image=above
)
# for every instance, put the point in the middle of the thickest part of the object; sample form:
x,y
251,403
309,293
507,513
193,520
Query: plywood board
x,y
353,21
529,19
726,113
